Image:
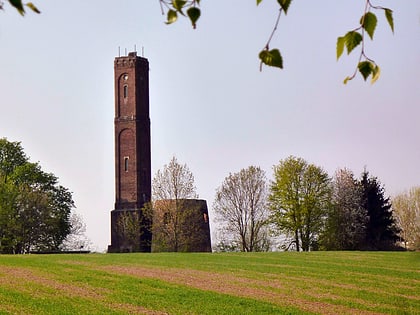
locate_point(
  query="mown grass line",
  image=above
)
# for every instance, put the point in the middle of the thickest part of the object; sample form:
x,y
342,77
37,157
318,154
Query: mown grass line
x,y
228,283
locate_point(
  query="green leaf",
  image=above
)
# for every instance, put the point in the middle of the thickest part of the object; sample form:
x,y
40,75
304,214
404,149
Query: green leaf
x,y
258,2
33,7
285,4
178,4
390,19
368,22
352,39
365,68
193,13
18,5
376,72
172,17
271,58
340,46
347,79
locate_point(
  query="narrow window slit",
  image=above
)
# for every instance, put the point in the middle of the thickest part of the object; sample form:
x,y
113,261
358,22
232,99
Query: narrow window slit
x,y
125,91
126,164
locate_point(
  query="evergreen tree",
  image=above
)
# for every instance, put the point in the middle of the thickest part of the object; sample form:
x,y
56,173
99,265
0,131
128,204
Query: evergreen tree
x,y
381,230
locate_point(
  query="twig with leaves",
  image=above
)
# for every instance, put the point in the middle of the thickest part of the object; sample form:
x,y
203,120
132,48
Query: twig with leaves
x,y
366,66
20,6
273,57
175,7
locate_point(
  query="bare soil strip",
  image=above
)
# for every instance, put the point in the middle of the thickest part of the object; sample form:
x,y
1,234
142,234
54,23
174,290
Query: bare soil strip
x,y
19,278
237,286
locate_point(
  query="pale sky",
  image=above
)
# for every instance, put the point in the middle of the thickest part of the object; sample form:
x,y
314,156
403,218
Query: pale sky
x,y
210,106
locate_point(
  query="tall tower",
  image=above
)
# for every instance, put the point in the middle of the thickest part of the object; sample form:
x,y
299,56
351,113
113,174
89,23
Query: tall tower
x,y
130,227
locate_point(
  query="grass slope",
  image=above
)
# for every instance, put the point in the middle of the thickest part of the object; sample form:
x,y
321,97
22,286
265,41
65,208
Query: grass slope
x,y
228,283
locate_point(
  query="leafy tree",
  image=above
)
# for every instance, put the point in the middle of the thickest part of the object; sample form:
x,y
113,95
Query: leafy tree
x,y
406,208
34,208
9,236
241,207
299,200
171,187
11,156
381,230
347,219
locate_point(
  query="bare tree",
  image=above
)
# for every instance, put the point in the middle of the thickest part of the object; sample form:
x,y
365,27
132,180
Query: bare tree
x,y
170,188
77,239
241,208
346,223
406,208
175,181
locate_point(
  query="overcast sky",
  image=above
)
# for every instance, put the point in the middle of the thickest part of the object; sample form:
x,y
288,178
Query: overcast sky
x,y
210,105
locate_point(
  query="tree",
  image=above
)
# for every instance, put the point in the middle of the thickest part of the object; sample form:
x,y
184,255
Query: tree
x,y
11,156
180,226
175,181
130,224
34,208
346,223
170,188
299,200
76,239
381,230
241,207
272,57
406,208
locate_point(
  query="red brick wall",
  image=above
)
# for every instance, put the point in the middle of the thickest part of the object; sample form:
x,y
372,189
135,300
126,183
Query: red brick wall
x,y
132,140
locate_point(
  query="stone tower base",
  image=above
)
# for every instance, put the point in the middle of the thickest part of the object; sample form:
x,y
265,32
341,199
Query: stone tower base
x,y
130,232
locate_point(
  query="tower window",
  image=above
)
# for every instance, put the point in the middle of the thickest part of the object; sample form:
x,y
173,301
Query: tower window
x,y
126,164
125,91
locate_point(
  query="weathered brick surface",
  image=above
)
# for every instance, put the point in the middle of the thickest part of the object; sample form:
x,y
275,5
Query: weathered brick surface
x,y
192,221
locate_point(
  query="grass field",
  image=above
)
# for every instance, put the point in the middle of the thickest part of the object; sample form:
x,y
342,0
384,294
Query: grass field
x,y
239,283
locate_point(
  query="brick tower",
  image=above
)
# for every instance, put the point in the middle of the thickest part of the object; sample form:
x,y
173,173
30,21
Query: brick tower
x,y
130,227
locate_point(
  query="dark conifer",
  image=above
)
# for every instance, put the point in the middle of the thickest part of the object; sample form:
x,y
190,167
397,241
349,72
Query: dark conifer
x,y
381,229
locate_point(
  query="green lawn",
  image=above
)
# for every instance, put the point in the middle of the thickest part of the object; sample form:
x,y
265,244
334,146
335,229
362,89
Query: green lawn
x,y
226,283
